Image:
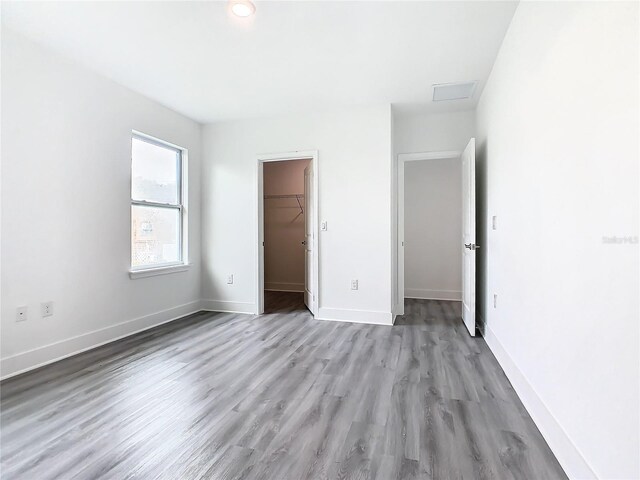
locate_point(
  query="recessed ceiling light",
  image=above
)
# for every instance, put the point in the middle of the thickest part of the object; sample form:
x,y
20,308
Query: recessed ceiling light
x,y
453,91
242,8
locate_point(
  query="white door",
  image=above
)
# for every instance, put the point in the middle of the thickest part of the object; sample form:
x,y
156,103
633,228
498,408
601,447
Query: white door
x,y
309,287
469,236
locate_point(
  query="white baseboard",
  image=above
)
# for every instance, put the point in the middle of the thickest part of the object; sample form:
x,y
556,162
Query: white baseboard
x,y
284,287
229,306
480,321
569,456
41,356
424,294
355,316
398,309
38,357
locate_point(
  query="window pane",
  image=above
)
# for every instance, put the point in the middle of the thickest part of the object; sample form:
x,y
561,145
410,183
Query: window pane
x,y
155,235
155,172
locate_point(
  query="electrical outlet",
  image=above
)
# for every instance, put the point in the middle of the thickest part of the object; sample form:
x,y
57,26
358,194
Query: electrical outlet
x,y
21,313
46,309
354,284
230,280
323,226
495,300
494,222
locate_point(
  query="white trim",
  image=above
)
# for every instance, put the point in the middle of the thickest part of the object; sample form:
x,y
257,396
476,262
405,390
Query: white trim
x,y
158,141
568,454
415,157
426,294
228,306
38,357
399,233
259,219
400,236
284,287
356,316
152,272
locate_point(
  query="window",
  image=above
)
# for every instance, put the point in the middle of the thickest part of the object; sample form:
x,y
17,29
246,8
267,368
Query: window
x,y
157,208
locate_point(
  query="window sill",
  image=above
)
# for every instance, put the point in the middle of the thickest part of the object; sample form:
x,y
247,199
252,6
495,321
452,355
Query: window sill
x,y
152,272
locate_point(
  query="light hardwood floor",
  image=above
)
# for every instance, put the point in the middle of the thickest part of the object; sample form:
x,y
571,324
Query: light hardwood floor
x,y
282,397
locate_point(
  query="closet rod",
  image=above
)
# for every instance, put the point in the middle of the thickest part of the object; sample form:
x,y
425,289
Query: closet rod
x,y
297,196
294,195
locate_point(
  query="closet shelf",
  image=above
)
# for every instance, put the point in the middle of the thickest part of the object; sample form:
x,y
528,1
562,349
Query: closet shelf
x,y
293,195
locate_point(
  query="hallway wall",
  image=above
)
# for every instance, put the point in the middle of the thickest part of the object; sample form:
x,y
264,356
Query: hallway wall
x,y
433,229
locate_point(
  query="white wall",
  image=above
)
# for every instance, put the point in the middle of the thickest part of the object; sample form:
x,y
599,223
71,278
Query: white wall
x,y
433,229
433,132
66,155
354,181
284,226
558,161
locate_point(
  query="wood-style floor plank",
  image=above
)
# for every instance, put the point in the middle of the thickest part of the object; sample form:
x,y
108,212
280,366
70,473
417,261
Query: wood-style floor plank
x,y
281,396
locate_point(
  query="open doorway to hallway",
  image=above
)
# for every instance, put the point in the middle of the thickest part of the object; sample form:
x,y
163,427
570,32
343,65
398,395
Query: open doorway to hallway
x,y
436,229
432,229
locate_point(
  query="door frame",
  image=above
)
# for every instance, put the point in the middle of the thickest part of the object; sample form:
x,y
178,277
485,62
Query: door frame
x,y
402,158
315,222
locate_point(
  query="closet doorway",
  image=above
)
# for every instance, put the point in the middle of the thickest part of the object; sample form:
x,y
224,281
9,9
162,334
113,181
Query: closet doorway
x,y
287,241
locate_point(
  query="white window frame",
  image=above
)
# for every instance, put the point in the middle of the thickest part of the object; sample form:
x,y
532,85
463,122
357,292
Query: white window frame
x,y
183,263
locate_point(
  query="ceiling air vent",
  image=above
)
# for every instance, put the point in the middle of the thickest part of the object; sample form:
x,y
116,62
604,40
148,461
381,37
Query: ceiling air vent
x,y
453,91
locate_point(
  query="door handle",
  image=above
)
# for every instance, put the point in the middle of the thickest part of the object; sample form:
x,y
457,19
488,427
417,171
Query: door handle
x,y
471,246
